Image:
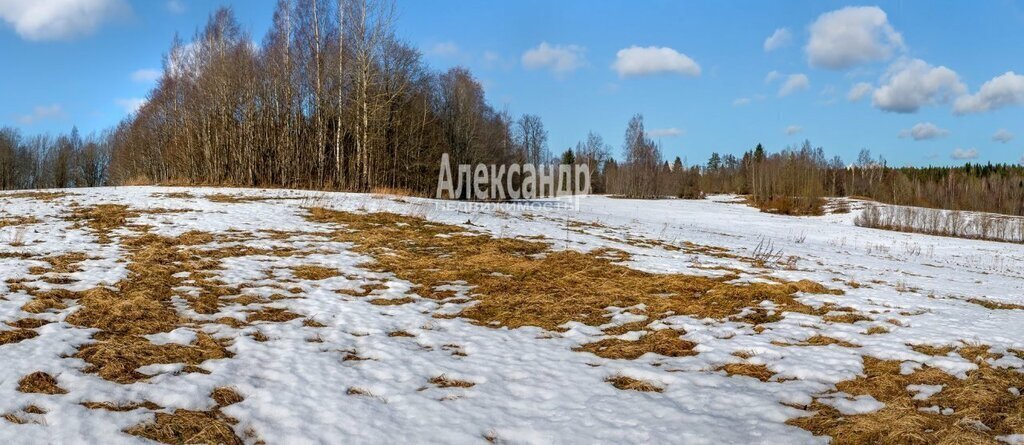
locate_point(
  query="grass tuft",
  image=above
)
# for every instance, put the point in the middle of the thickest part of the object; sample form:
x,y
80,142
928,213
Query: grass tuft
x,y
121,407
628,383
16,335
225,396
760,372
41,383
665,342
444,381
188,427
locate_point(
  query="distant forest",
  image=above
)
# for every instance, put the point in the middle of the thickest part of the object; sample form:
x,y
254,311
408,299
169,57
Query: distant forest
x,y
331,99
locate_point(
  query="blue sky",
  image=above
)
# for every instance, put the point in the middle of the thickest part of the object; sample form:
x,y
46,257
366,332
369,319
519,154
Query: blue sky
x,y
937,82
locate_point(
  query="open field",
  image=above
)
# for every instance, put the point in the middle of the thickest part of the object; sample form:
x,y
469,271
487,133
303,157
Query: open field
x,y
198,315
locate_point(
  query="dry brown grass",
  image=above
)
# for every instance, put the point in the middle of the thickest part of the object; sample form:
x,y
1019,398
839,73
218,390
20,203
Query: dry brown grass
x,y
665,342
876,330
444,381
103,219
973,352
20,419
225,396
140,305
995,305
236,199
38,196
311,323
819,340
352,356
628,383
116,358
44,301
456,350
18,221
812,287
284,234
64,263
628,327
982,405
391,301
27,323
760,372
823,340
41,383
174,195
313,272
933,350
400,334
232,322
271,314
212,295
259,336
364,290
188,427
121,407
16,335
357,391
848,317
32,409
13,418
525,283
228,199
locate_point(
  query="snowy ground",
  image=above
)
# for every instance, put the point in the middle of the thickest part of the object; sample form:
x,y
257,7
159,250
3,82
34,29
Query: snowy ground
x,y
529,386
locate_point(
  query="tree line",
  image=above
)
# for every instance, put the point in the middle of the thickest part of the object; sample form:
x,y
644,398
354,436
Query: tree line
x,y
42,161
796,179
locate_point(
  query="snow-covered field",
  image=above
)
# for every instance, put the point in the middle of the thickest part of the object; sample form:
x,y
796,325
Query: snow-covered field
x,y
301,385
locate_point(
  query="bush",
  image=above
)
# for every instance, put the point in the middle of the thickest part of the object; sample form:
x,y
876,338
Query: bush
x,y
952,223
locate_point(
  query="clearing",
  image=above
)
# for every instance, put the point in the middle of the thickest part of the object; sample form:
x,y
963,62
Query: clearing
x,y
214,315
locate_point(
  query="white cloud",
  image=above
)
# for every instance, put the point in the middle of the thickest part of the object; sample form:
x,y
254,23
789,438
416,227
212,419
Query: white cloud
x,y
793,129
910,84
131,105
924,131
560,59
739,102
639,61
146,75
666,133
772,76
858,91
41,113
851,36
443,49
780,38
794,83
175,6
1002,135
1002,91
39,20
961,154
